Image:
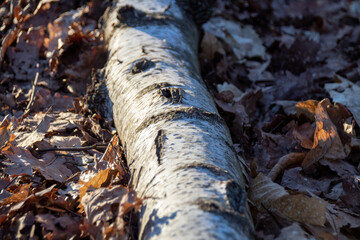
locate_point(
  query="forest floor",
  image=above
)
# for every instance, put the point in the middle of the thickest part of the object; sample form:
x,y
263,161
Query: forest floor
x,y
284,75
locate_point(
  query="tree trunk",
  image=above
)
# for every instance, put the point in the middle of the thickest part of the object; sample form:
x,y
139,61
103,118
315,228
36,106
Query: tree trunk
x,y
177,146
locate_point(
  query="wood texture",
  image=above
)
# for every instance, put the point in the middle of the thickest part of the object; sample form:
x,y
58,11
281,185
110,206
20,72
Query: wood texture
x,y
178,147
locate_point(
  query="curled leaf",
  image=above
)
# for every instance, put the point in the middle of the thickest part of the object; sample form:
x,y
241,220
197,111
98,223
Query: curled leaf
x,y
327,141
264,193
284,162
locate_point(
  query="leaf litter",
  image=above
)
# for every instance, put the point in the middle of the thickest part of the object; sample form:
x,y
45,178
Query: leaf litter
x,y
58,158
300,136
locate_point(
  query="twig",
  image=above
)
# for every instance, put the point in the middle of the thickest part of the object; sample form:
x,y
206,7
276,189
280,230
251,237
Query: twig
x,y
70,178
94,146
33,91
121,163
11,182
51,162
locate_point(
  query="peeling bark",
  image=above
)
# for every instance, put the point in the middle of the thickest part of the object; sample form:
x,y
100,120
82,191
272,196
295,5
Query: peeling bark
x,y
178,147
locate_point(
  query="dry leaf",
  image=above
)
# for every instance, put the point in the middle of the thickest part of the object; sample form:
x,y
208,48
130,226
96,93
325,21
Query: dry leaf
x,y
98,204
101,179
293,232
105,209
295,180
347,93
284,162
327,142
21,161
340,217
309,210
4,132
209,46
28,139
112,157
63,227
243,41
229,87
306,108
19,196
265,193
65,142
305,134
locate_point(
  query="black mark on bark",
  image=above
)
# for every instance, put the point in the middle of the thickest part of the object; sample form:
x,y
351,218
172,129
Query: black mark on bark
x,y
234,217
153,87
132,17
142,65
159,145
236,196
209,167
180,113
174,95
129,13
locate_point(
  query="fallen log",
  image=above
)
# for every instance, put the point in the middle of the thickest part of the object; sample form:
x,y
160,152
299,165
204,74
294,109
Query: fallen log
x,y
178,148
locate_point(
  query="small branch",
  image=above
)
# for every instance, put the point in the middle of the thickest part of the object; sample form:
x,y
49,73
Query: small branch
x,y
95,146
33,91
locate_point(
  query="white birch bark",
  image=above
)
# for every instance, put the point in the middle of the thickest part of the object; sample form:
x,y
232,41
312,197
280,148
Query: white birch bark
x,y
177,146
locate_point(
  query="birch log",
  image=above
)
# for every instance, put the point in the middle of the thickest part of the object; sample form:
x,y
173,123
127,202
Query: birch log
x,y
177,146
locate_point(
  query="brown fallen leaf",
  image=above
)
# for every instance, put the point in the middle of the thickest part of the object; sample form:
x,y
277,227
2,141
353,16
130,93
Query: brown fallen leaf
x,y
17,197
264,193
98,204
305,134
209,46
339,217
112,158
306,108
293,232
101,179
57,225
284,162
351,195
7,41
105,209
4,132
65,141
38,134
295,180
93,127
21,161
327,142
347,93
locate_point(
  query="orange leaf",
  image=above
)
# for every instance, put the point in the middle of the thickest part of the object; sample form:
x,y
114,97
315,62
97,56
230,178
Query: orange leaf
x,y
306,108
101,179
19,196
327,142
